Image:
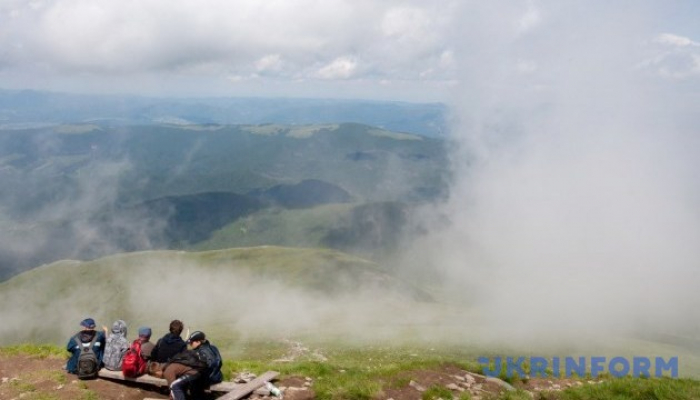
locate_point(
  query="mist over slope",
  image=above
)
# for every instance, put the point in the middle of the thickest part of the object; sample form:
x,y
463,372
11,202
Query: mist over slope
x,y
574,209
280,291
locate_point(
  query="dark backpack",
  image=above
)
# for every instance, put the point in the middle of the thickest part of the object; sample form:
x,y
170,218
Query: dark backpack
x,y
190,359
215,375
133,365
88,365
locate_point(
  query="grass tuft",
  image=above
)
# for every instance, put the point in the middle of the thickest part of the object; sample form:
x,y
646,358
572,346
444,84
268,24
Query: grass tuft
x,y
34,350
437,392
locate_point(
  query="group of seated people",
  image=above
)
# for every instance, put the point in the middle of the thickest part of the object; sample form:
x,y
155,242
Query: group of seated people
x,y
185,369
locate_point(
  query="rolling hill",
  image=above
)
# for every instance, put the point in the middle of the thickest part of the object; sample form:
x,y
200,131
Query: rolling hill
x,y
83,191
298,287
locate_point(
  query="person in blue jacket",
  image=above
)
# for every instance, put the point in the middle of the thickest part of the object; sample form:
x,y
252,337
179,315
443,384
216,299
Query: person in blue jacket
x,y
85,335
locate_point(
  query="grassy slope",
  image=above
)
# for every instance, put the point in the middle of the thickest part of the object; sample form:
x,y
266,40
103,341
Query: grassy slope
x,y
241,158
226,286
294,228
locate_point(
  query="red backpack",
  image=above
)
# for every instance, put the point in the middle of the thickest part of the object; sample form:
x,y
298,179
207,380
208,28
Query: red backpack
x,y
133,365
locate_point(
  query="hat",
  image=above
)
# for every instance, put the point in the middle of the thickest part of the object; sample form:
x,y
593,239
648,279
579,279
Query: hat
x,y
196,336
119,327
88,323
145,332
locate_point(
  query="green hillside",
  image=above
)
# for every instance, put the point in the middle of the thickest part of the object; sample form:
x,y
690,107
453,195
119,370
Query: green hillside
x,y
237,288
371,230
295,228
83,191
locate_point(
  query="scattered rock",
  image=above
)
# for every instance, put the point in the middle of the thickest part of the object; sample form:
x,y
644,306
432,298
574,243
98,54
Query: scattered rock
x,y
454,386
416,386
297,350
244,377
501,383
465,384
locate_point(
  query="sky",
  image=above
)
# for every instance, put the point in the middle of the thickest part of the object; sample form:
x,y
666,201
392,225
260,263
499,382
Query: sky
x,y
391,50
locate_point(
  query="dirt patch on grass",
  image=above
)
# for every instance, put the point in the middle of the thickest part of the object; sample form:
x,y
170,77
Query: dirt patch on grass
x,y
29,377
413,385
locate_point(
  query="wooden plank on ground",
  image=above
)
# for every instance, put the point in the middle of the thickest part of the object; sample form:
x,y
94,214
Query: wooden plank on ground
x,y
246,388
152,380
117,375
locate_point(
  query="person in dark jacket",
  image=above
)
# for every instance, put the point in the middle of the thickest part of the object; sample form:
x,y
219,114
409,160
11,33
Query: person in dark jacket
x,y
209,355
170,344
183,373
85,335
194,369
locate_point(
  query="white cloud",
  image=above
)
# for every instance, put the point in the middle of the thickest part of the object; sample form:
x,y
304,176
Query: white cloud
x,y
54,42
674,57
674,40
270,62
297,39
340,68
530,19
525,66
407,24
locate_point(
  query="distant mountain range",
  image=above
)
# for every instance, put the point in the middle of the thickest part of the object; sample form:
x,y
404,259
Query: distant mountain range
x,y
86,190
32,108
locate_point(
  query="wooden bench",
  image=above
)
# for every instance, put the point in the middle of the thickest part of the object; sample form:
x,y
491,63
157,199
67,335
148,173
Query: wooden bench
x,y
235,390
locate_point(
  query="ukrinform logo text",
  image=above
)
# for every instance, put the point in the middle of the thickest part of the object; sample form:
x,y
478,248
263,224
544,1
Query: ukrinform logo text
x,y
579,366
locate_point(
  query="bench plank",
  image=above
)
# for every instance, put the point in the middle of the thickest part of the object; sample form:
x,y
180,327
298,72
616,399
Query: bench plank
x,y
246,388
152,380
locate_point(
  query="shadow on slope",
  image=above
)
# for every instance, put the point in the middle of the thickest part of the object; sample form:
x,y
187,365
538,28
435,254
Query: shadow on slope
x,y
307,193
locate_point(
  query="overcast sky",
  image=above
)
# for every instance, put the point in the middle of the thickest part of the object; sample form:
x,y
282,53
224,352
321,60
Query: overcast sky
x,y
399,50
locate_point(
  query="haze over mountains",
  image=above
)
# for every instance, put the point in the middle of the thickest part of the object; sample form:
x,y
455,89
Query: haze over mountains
x,y
88,176
26,107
